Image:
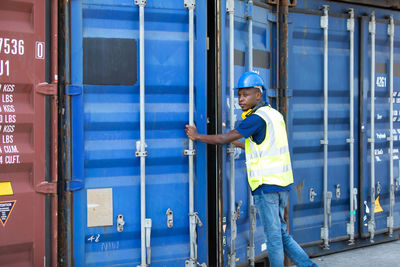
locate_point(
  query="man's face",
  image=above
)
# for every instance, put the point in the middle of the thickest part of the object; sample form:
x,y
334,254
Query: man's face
x,y
248,98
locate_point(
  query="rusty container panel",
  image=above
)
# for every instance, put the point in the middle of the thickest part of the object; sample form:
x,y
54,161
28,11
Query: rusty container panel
x,y
22,133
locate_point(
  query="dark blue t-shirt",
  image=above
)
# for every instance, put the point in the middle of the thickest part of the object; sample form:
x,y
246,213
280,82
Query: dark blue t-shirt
x,y
255,127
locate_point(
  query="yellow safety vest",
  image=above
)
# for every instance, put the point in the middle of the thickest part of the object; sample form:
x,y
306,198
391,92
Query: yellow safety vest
x,y
269,162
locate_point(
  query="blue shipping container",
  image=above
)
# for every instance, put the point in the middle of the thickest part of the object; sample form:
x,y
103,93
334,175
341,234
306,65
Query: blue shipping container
x,y
105,119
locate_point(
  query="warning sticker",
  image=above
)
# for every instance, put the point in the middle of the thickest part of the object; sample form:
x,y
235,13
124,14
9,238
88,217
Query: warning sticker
x,y
6,208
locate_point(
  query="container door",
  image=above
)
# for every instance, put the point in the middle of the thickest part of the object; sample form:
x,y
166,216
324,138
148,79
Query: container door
x,y
22,133
381,131
306,125
105,116
262,59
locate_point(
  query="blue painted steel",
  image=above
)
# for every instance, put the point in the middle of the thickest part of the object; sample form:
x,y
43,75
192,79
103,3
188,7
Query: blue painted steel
x,y
305,118
105,122
261,41
306,123
382,157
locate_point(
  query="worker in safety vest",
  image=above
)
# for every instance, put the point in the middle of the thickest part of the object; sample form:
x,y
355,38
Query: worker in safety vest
x,y
269,170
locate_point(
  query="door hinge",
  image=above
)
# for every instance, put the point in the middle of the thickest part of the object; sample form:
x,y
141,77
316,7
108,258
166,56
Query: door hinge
x,y
275,2
46,88
74,185
72,89
46,188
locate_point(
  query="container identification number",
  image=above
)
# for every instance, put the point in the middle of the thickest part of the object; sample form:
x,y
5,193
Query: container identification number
x,y
11,46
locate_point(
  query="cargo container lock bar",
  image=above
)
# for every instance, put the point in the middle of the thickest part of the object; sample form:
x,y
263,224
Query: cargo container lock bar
x,y
193,217
371,140
350,140
252,208
234,214
327,195
145,224
390,221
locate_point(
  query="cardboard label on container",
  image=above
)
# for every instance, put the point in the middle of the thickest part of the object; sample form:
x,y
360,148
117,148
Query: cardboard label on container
x,y
6,207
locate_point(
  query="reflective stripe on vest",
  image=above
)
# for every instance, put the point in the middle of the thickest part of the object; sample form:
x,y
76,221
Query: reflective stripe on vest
x,y
269,162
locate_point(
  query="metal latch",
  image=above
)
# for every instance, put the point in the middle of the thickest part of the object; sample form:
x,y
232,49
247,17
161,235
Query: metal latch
x,y
312,194
170,218
328,206
190,4
338,191
120,223
46,188
378,188
397,184
238,212
196,219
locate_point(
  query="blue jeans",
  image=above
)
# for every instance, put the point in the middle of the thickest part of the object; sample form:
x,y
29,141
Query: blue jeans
x,y
271,208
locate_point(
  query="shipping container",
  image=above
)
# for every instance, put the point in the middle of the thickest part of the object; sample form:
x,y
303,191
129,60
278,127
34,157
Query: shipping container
x,y
134,73
115,48
28,133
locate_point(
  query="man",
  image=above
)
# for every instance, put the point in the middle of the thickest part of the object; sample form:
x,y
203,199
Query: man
x,y
269,170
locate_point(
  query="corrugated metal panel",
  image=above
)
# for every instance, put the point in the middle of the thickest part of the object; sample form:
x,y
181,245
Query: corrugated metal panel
x,y
22,133
306,124
106,128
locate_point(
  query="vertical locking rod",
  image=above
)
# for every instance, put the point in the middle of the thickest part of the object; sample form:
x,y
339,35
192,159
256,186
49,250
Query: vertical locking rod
x,y
192,262
350,225
390,139
230,8
371,223
327,198
252,209
141,151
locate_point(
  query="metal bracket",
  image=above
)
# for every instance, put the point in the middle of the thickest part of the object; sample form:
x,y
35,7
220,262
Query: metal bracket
x,y
230,6
312,194
170,218
188,152
74,185
190,4
371,25
249,14
371,140
324,142
390,222
46,188
140,2
230,150
138,152
325,237
120,223
141,154
338,191
73,90
390,30
324,18
46,88
237,212
350,140
389,139
397,184
147,226
350,21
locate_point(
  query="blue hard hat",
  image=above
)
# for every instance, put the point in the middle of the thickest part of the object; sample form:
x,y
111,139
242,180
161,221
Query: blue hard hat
x,y
250,79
